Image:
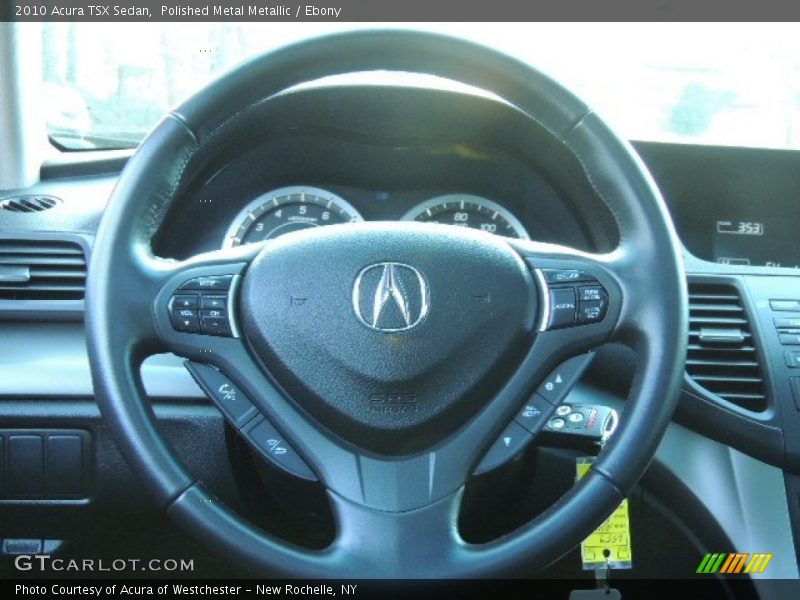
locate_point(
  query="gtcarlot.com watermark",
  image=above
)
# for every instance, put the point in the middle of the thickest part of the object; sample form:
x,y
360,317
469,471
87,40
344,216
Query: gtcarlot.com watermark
x,y
43,562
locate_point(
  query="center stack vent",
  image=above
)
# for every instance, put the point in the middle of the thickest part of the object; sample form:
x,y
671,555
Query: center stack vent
x,y
723,357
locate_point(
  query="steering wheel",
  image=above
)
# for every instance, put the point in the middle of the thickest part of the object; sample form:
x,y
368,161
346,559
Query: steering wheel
x,y
318,348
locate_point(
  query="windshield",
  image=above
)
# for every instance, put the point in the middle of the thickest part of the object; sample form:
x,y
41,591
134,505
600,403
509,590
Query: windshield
x,y
723,84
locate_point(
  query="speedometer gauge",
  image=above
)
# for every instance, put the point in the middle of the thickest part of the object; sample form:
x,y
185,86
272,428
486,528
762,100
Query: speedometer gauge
x,y
465,210
287,209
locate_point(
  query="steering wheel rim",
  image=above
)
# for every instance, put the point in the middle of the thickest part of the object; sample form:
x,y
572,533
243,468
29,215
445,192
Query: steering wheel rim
x,y
126,283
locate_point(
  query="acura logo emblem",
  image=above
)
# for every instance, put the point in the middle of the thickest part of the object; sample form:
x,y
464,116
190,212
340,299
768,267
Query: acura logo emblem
x,y
390,297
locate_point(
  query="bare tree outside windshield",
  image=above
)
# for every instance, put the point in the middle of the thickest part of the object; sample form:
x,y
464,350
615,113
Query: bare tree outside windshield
x,y
726,84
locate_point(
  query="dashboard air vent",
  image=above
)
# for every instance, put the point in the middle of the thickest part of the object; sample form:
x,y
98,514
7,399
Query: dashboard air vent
x,y
722,355
28,204
41,270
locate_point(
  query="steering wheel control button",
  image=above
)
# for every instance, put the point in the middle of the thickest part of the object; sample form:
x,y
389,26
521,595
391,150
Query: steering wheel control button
x,y
212,319
208,302
592,304
534,414
572,304
557,423
575,417
590,293
228,398
563,410
785,305
185,320
269,442
214,325
558,384
213,283
190,301
562,307
510,443
565,276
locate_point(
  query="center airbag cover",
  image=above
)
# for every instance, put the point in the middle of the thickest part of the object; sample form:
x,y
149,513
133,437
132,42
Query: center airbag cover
x,y
390,334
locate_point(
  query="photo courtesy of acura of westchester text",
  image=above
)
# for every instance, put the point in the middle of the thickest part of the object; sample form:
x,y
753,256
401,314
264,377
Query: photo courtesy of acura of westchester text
x,y
360,309
125,590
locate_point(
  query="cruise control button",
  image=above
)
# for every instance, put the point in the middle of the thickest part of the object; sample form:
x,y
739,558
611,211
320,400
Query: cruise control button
x,y
272,444
558,384
565,275
215,326
534,413
592,304
213,302
562,307
229,398
592,311
212,283
592,292
508,445
188,301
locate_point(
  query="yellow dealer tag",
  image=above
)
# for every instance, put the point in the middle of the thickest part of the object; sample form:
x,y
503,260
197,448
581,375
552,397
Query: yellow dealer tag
x,y
610,544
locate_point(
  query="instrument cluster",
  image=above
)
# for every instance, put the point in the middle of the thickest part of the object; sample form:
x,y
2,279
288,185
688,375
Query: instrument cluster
x,y
292,208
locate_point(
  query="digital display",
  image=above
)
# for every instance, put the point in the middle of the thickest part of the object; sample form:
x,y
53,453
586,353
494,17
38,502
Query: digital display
x,y
756,242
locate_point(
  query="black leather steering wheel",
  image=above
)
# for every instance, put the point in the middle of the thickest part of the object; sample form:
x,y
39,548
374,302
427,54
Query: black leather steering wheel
x,y
394,485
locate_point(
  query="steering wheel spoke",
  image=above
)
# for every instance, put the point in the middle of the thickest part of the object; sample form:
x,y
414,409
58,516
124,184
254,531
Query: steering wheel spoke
x,y
291,440
192,302
580,292
416,539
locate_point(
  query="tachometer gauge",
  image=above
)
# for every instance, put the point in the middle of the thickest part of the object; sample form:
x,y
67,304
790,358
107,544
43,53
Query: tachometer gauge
x,y
287,209
465,210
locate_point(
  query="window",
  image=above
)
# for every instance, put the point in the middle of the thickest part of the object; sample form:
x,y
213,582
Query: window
x,y
726,83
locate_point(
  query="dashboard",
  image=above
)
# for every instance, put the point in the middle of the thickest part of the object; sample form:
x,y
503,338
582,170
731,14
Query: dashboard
x,y
333,155
479,167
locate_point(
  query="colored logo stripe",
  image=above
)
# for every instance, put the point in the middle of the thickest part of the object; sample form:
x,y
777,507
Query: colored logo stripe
x,y
728,563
